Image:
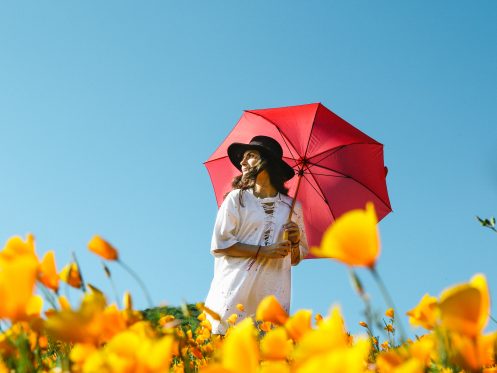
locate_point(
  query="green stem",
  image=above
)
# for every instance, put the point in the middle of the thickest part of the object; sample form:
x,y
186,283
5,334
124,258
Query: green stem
x,y
388,301
140,282
112,283
492,318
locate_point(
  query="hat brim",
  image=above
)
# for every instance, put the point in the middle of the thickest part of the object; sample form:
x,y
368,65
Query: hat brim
x,y
237,150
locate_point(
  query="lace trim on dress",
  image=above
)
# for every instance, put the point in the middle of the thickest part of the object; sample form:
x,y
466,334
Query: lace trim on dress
x,y
268,222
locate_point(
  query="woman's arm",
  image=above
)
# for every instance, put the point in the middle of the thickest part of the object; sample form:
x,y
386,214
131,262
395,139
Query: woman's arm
x,y
277,250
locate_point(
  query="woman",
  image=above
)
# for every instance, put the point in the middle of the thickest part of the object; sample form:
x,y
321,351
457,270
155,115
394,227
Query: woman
x,y
252,259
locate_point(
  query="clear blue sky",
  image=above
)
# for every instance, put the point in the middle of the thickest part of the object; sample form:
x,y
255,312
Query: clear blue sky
x,y
108,109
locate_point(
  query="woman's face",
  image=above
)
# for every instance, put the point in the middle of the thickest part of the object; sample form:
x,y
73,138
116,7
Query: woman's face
x,y
249,160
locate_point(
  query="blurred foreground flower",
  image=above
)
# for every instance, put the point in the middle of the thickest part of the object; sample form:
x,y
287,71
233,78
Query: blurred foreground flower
x,y
425,313
270,310
352,239
18,273
465,308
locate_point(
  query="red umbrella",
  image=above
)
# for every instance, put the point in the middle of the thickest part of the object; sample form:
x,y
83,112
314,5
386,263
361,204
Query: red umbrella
x,y
338,167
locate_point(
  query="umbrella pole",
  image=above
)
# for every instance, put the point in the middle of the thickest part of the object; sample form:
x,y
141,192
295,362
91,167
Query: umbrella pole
x,y
300,174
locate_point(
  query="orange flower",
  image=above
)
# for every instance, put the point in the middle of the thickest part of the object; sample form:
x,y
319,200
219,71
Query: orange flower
x,y
18,271
363,324
102,248
473,353
465,308
425,313
390,313
70,275
352,239
47,274
270,310
275,345
84,325
240,307
299,324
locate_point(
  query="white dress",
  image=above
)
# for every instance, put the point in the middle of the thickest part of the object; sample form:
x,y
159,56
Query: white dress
x,y
258,222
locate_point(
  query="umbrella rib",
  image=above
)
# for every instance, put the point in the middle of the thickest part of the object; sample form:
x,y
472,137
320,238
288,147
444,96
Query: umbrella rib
x,y
338,148
320,193
283,137
335,150
281,133
316,173
310,132
357,181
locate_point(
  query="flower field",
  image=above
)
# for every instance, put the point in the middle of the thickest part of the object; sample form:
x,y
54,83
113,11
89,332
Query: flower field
x,y
47,334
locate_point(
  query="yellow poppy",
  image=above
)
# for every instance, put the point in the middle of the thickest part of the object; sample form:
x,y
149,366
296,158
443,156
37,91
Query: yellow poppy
x,y
270,310
275,345
47,274
71,276
18,272
240,349
299,324
103,248
465,308
352,239
425,313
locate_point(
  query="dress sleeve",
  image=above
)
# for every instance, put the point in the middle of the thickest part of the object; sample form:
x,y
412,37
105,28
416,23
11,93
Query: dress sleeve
x,y
298,217
227,223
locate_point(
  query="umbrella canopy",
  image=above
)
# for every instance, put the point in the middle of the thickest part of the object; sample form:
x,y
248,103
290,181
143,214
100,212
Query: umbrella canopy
x,y
340,168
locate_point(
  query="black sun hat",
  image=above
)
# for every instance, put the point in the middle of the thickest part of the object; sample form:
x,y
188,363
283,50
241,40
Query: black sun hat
x,y
269,148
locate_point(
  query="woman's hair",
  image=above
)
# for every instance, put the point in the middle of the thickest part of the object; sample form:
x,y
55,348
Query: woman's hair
x,y
247,181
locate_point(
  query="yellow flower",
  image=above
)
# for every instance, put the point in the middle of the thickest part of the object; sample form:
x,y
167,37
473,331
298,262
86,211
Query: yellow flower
x,y
275,345
102,248
71,276
232,319
329,335
34,306
425,313
270,310
299,324
344,359
465,308
473,353
64,303
352,239
240,307
274,366
48,272
128,301
84,325
389,328
390,313
202,307
18,272
240,349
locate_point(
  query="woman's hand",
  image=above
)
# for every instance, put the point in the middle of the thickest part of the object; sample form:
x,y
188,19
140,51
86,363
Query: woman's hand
x,y
293,231
277,250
